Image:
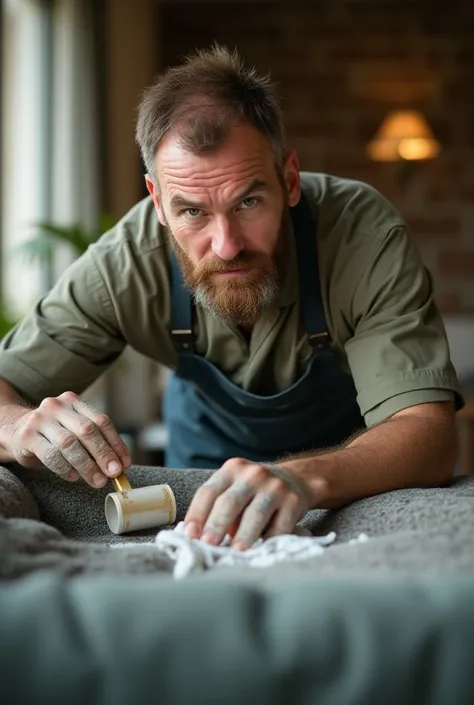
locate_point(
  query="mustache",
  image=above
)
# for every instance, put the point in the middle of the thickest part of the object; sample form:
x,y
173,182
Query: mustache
x,y
241,261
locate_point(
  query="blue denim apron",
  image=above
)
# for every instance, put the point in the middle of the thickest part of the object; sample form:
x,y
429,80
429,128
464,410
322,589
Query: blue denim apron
x,y
210,419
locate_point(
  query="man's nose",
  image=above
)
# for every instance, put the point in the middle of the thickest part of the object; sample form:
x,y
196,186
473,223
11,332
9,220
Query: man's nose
x,y
226,240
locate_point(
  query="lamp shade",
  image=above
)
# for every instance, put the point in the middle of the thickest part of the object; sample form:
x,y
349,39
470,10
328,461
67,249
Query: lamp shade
x,y
403,134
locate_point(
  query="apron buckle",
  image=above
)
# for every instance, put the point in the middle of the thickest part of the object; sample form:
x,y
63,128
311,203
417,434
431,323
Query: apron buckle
x,y
183,338
320,341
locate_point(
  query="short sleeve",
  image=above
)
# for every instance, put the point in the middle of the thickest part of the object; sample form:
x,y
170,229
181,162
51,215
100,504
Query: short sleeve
x,y
67,341
398,354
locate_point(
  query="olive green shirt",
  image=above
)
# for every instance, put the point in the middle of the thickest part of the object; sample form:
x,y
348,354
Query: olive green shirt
x,y
384,327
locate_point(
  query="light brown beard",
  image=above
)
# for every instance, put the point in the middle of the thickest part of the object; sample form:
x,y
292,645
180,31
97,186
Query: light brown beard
x,y
238,301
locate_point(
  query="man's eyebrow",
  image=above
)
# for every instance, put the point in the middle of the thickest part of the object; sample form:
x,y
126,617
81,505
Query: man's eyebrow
x,y
256,185
178,201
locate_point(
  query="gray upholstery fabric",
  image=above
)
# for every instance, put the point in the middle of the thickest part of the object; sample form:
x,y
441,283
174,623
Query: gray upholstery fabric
x,y
385,622
106,641
72,537
424,532
77,510
15,499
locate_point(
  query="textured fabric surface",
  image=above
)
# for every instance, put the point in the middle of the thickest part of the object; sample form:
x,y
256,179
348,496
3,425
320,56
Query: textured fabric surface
x,y
416,532
116,642
388,621
72,535
15,499
77,510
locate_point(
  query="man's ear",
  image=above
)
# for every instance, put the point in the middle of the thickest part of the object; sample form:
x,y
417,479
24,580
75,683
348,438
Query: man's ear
x,y
154,192
291,177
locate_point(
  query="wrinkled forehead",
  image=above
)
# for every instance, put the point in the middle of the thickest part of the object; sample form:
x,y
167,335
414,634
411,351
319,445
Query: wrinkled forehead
x,y
245,156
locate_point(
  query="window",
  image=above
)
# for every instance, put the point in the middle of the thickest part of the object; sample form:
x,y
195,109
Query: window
x,y
50,134
25,128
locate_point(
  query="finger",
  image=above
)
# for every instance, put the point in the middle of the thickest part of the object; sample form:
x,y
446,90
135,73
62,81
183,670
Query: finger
x,y
88,434
234,528
29,459
203,502
285,519
51,458
75,454
108,431
255,518
226,510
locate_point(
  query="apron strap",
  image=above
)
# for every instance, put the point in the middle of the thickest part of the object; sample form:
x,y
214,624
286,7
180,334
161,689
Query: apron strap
x,y
304,227
182,310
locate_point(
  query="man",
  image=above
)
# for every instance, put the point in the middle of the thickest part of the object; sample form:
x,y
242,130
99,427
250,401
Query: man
x,y
293,309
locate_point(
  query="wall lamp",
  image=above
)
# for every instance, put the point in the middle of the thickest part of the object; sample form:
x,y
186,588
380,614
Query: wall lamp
x,y
404,136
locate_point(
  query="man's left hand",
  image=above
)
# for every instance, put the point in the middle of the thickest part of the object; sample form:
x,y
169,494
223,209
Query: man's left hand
x,y
246,499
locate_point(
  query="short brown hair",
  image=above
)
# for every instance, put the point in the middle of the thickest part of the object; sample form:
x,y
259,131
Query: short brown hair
x,y
202,98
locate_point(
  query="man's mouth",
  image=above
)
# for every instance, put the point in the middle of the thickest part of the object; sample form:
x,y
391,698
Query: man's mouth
x,y
232,272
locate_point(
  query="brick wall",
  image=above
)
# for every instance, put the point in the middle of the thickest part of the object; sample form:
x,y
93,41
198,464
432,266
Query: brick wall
x,y
341,66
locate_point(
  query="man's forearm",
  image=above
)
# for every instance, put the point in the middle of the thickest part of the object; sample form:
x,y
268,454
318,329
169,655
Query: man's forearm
x,y
405,451
12,407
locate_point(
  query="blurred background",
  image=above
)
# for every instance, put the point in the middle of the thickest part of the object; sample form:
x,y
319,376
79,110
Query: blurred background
x,y
376,90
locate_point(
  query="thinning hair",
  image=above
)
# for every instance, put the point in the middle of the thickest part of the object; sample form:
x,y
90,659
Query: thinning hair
x,y
202,98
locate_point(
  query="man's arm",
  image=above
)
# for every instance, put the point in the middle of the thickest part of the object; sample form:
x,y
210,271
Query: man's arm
x,y
415,447
12,408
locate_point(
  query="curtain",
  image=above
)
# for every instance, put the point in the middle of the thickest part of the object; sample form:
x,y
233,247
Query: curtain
x,y
50,135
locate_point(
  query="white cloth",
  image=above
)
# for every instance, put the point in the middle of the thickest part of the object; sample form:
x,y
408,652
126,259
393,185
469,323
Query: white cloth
x,y
193,555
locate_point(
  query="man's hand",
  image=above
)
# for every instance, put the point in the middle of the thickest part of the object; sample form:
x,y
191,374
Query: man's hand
x,y
246,499
71,439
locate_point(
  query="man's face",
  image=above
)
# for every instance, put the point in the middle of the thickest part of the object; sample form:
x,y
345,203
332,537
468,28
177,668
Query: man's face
x,y
227,213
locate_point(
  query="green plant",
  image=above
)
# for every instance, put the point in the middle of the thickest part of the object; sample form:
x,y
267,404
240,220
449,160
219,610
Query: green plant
x,y
48,236
6,320
40,248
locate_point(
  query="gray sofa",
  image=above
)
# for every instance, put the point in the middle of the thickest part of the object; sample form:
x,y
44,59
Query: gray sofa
x,y
386,621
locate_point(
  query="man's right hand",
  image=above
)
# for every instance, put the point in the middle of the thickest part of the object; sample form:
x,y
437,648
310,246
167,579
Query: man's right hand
x,y
71,439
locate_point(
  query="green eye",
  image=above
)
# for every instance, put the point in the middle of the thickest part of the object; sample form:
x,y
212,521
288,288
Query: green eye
x,y
249,202
193,212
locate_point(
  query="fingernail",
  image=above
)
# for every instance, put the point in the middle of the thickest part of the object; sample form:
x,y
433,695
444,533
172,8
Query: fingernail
x,y
239,546
208,538
72,475
191,530
114,468
99,480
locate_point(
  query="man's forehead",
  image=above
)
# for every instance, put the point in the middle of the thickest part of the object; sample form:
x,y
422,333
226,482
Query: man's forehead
x,y
245,154
226,175
212,170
